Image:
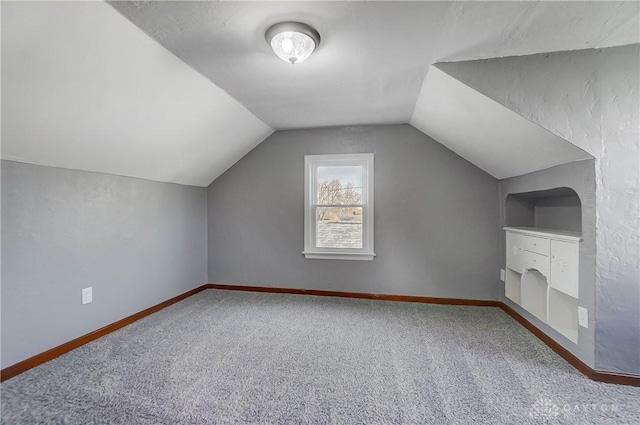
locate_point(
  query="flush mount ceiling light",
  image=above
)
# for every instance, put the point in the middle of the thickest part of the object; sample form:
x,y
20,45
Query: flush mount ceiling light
x,y
293,42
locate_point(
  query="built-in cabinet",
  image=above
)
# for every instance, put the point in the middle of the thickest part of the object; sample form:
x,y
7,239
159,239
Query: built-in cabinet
x,y
542,275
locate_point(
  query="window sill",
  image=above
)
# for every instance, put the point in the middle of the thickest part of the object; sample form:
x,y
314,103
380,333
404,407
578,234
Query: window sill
x,y
338,256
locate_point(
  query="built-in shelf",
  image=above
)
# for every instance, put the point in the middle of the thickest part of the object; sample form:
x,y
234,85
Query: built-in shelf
x,y
557,208
547,233
512,285
563,314
534,293
542,275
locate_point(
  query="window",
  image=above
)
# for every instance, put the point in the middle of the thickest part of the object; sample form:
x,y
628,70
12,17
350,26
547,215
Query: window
x,y
338,215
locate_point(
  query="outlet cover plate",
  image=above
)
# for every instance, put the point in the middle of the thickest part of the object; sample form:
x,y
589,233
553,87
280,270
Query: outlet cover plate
x,y
502,274
583,317
87,295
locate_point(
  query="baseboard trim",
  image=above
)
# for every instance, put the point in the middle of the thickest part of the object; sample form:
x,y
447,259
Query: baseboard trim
x,y
550,342
615,378
51,354
359,295
601,376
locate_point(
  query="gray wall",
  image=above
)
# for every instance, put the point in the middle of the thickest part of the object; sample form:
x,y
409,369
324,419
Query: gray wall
x,y
436,217
579,176
136,242
559,213
592,99
518,212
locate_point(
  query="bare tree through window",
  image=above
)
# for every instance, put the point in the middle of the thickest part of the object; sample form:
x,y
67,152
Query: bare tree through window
x,y
335,193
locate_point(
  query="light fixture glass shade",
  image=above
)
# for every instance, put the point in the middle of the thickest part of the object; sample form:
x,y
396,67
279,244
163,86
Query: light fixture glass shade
x,y
292,42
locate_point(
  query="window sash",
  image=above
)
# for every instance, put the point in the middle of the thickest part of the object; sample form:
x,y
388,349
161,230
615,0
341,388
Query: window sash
x,y
314,230
339,205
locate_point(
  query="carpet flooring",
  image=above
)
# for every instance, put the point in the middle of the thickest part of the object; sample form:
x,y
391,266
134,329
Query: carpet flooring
x,y
224,357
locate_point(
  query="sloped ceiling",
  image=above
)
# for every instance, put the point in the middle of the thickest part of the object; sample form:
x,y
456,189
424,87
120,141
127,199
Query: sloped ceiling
x,y
373,56
540,88
485,133
85,88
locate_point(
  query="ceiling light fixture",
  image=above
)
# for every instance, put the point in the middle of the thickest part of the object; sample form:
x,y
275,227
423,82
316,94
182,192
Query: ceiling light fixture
x,y
293,42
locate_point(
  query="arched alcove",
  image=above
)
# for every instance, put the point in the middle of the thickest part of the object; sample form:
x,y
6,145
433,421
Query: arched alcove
x,y
558,208
544,229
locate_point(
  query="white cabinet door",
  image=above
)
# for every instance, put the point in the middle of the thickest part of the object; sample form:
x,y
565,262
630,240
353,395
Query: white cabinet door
x,y
514,252
564,267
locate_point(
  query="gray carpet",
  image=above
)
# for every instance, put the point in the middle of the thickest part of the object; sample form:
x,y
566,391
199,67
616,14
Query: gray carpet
x,y
223,357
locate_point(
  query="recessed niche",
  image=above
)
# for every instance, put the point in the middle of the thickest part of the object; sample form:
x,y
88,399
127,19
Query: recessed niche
x,y
563,314
512,286
559,209
534,294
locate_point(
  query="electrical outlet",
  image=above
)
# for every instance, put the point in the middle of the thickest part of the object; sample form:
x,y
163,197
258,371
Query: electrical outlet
x,y
502,274
583,317
87,295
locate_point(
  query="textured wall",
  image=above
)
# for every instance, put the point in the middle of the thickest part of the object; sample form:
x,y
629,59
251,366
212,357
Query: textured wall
x,y
136,242
580,177
591,98
436,217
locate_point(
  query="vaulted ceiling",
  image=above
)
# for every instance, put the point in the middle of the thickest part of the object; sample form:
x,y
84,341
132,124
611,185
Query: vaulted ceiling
x,y
373,56
179,91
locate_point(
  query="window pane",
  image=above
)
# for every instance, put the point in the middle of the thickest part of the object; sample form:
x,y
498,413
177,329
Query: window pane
x,y
338,227
339,185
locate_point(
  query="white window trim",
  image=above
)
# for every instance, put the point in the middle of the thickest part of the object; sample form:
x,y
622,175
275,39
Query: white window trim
x,y
311,163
